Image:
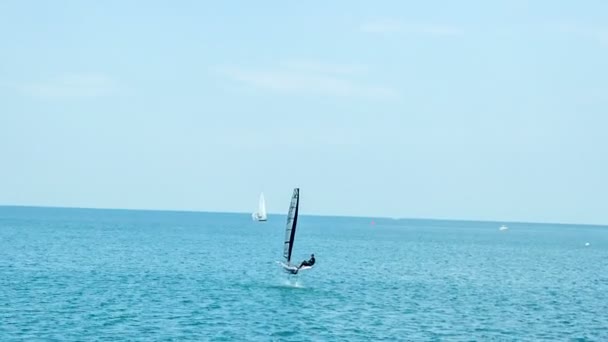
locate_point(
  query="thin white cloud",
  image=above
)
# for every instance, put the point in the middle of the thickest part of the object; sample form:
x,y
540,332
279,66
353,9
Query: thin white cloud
x,y
396,27
325,68
316,137
386,26
439,30
593,95
305,80
78,85
599,34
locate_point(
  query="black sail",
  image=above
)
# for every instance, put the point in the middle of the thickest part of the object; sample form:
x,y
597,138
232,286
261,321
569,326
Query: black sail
x,y
292,221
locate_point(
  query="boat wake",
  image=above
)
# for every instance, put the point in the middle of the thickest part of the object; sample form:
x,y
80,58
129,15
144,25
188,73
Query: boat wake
x,y
295,283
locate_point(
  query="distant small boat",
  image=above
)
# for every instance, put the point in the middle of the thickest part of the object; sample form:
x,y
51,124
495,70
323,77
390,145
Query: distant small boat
x,y
260,215
503,227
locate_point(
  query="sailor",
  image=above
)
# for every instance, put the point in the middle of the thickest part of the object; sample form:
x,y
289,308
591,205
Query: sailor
x,y
309,262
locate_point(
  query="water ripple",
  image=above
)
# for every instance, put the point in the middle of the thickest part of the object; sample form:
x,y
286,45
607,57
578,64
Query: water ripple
x,y
107,276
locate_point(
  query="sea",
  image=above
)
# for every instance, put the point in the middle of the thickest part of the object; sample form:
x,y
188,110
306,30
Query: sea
x,y
133,275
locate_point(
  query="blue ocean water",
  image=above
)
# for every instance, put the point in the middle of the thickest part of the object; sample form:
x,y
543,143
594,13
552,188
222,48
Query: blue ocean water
x,y
83,274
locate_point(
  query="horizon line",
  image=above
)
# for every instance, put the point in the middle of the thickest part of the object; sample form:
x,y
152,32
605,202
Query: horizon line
x,y
312,215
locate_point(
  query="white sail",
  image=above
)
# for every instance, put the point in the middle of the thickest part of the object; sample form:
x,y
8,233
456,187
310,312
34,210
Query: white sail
x,y
260,215
262,208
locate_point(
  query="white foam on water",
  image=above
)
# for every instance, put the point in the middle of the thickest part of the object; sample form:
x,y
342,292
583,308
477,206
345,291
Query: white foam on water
x,y
295,283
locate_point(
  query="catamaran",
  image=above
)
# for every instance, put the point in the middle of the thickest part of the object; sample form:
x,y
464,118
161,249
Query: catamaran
x,y
290,234
260,215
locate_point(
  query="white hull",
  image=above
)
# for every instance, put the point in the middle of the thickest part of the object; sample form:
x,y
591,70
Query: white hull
x,y
257,217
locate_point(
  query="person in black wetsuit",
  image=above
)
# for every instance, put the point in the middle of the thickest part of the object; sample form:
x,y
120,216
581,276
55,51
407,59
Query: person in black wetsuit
x,y
309,262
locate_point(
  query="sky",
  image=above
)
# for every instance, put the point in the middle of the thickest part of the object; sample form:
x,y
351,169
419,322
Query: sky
x,y
481,110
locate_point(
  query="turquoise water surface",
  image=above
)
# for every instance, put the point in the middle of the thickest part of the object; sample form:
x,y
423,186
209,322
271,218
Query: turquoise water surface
x,y
84,275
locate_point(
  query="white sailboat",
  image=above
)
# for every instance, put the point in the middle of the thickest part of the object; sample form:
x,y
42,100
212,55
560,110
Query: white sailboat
x,y
503,228
260,215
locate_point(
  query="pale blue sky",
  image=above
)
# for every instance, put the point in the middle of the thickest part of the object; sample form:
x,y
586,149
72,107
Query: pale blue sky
x,y
482,110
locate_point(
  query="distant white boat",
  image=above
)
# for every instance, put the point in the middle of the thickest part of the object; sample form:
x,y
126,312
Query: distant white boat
x,y
260,215
503,227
